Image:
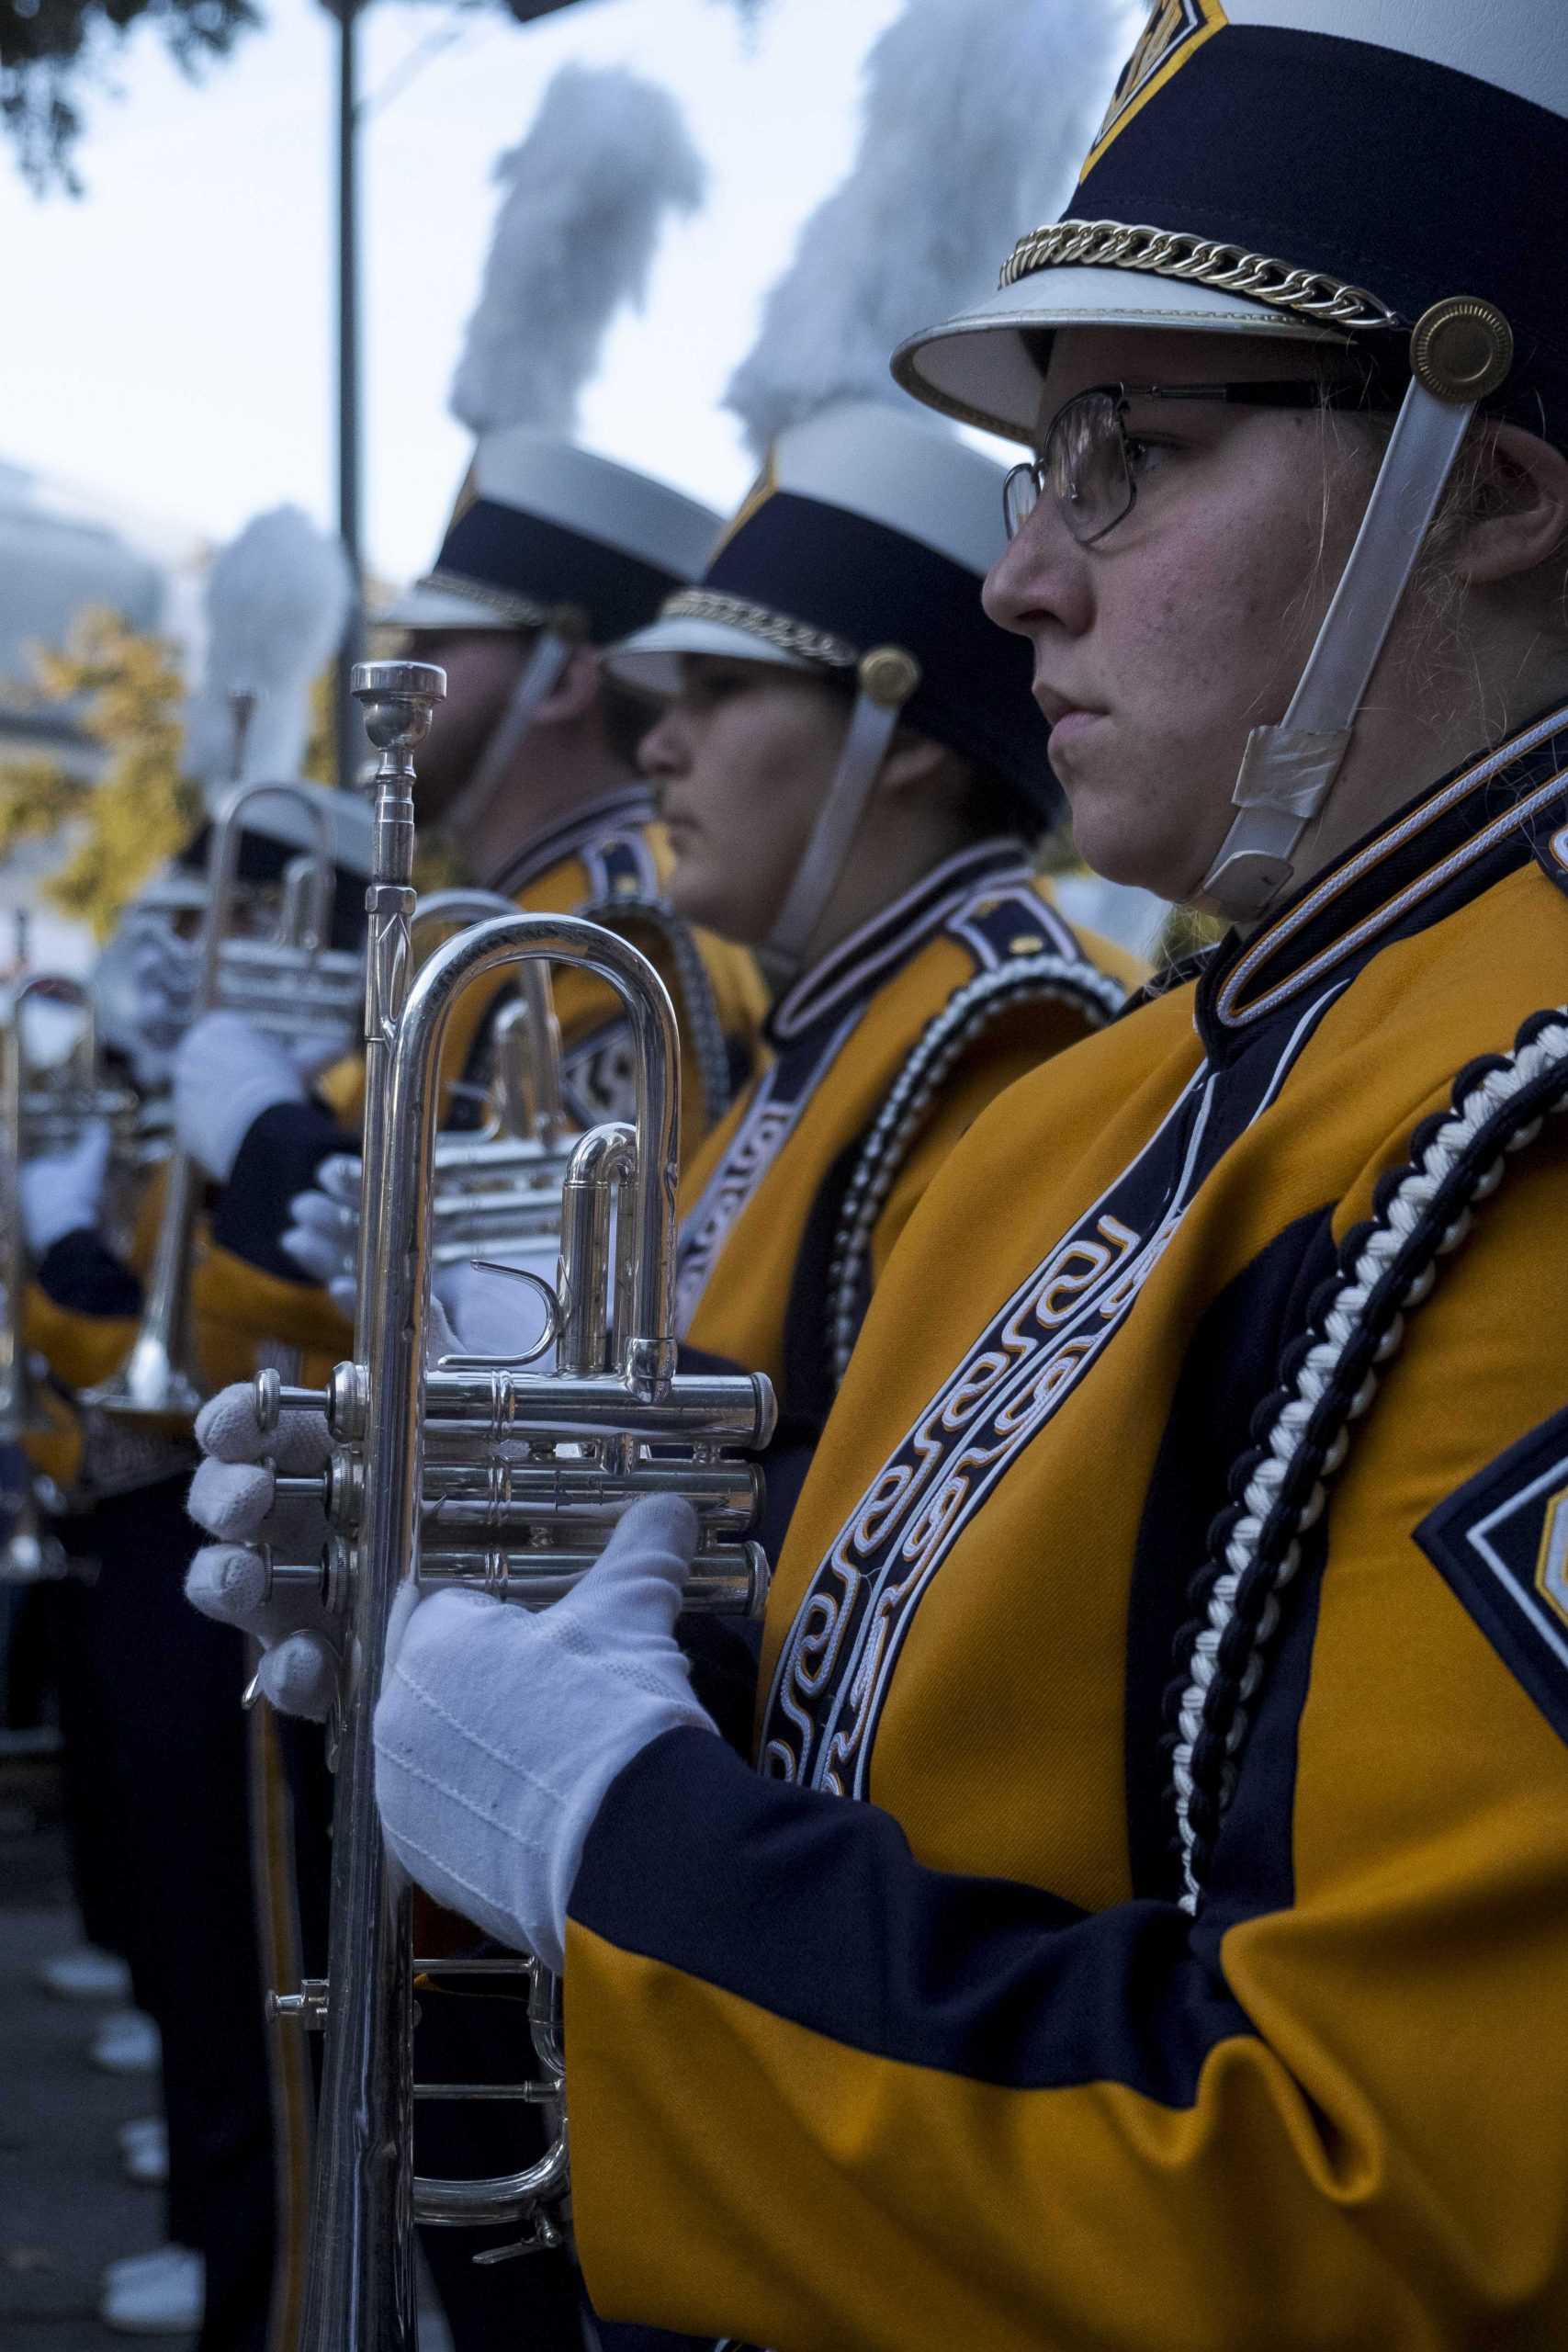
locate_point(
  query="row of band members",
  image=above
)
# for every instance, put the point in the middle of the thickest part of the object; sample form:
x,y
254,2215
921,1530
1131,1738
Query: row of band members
x,y
1187,1627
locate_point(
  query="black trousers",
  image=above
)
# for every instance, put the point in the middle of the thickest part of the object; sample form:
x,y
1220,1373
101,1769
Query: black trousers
x,y
160,1777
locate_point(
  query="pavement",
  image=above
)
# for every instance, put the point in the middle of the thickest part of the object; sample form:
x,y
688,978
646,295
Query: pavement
x,y
65,2206
66,2209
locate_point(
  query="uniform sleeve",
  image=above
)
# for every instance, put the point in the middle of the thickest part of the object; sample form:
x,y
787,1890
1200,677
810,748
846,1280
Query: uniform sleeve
x,y
823,2095
80,1309
277,1160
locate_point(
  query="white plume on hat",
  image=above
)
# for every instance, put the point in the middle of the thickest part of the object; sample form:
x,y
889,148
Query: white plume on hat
x,y
586,193
276,600
975,121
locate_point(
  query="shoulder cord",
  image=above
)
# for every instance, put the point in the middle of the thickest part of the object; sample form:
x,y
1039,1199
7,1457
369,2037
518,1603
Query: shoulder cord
x,y
1422,1213
947,1036
701,1021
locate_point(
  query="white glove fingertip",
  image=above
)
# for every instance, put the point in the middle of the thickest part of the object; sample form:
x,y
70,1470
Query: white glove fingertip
x,y
227,1426
300,1677
231,1499
227,1583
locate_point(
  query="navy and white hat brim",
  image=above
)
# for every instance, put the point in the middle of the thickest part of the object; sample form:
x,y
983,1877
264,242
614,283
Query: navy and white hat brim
x,y
979,367
650,662
427,604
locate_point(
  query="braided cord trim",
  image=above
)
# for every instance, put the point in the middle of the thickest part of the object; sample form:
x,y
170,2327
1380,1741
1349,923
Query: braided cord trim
x,y
946,1037
702,1020
1165,252
522,612
774,628
1388,1268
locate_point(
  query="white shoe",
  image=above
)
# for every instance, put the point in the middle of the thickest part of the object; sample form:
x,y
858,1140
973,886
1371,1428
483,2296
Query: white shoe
x,y
144,2151
161,2293
86,1975
126,2043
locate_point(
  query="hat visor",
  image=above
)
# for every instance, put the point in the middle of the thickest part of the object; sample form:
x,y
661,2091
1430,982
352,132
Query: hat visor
x,y
978,368
649,662
424,606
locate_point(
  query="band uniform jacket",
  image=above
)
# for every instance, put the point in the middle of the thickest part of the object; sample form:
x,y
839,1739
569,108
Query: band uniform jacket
x,y
882,1054
607,864
1146,1923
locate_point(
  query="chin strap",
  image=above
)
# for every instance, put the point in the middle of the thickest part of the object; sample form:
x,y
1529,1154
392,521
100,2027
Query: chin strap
x,y
564,631
885,679
1461,351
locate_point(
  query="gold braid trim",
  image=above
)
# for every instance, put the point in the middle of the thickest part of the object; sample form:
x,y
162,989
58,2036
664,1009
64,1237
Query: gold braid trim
x,y
774,628
522,612
1163,253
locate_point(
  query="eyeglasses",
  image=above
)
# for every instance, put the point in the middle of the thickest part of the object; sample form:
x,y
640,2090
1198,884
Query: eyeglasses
x,y
1091,465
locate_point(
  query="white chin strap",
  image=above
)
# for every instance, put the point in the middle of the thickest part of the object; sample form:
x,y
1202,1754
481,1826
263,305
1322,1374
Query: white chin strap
x,y
541,674
1288,771
885,679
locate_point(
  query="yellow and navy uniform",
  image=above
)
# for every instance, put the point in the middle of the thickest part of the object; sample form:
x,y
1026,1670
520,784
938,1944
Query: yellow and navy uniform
x,y
607,862
883,1055
1178,1599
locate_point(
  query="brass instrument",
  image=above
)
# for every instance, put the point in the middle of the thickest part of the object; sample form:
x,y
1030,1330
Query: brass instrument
x,y
426,1487
43,1108
295,985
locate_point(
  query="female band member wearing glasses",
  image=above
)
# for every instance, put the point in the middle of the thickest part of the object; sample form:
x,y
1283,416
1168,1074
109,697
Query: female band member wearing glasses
x,y
1147,1921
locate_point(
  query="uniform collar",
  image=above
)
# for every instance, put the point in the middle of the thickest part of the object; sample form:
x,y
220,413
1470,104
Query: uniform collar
x,y
859,964
627,806
1444,848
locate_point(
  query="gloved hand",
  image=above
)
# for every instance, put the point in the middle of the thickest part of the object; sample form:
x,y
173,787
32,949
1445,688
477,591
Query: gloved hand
x,y
231,1497
63,1191
226,1074
498,1733
324,1237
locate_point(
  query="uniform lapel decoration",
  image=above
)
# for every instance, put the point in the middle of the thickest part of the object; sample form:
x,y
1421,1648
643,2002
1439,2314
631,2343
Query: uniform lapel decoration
x,y
809,1027
614,816
1257,1007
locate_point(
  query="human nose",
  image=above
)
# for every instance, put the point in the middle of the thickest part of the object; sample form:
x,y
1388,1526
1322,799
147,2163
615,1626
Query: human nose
x,y
1041,575
663,750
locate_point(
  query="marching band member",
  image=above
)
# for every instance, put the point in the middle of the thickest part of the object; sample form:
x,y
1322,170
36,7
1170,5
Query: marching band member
x,y
855,784
1140,1923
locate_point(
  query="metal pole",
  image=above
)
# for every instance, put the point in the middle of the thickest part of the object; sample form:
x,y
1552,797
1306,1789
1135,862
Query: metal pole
x,y
348,737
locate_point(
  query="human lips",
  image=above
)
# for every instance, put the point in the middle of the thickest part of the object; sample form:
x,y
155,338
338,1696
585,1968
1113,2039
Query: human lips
x,y
1067,718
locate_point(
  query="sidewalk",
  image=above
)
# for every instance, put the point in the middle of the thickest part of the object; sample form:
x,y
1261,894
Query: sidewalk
x,y
65,2206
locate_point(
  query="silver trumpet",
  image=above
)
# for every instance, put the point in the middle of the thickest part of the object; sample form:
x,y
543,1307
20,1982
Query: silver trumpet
x,y
43,1108
303,987
481,1473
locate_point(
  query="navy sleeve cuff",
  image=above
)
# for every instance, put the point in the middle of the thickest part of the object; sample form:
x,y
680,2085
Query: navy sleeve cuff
x,y
279,1157
80,1274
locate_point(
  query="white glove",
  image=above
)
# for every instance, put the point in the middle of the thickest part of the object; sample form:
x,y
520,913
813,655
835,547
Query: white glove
x,y
324,1237
498,1732
231,1497
226,1075
494,1313
63,1191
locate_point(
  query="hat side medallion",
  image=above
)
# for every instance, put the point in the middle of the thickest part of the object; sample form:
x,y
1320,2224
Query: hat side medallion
x,y
1461,349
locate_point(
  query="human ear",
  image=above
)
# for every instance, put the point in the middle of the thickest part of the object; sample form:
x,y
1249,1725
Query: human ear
x,y
913,764
575,692
1519,518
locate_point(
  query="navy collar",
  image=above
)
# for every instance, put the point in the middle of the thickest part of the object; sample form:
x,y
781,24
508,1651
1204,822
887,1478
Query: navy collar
x,y
623,810
850,972
1457,839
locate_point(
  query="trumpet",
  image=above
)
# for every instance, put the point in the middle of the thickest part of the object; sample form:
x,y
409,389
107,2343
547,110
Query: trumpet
x,y
42,1109
299,987
426,1487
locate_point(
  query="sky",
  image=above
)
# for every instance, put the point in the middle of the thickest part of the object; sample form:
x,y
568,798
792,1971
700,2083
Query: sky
x,y
169,336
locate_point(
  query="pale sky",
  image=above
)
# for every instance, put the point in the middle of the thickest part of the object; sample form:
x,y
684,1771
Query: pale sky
x,y
168,337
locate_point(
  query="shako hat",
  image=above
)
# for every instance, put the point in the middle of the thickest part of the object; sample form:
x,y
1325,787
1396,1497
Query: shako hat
x,y
1317,171
545,533
860,554
1330,173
